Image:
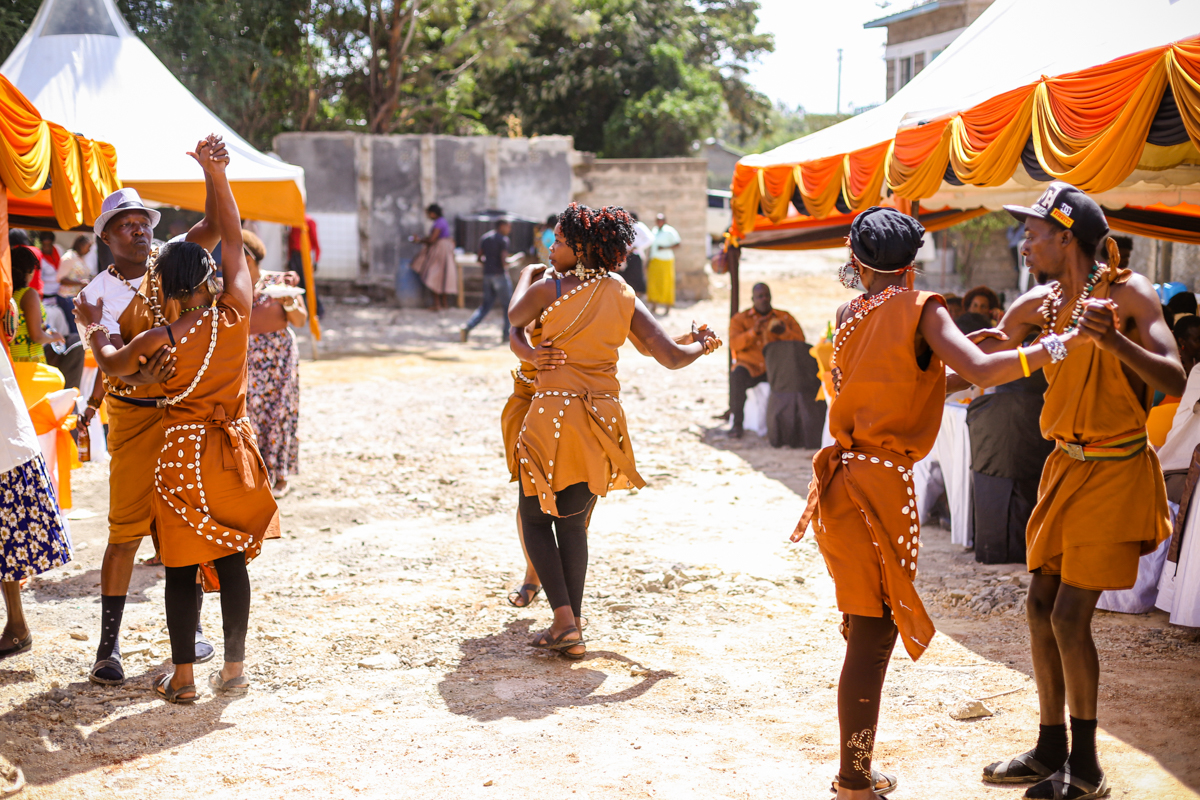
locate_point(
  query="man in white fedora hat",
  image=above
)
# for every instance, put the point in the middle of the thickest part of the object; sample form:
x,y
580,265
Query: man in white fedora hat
x,y
133,303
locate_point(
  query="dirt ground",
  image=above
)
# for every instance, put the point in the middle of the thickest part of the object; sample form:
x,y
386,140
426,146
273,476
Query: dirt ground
x,y
386,662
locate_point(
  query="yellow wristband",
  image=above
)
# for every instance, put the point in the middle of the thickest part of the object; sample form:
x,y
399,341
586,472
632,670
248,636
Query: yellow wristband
x,y
1024,361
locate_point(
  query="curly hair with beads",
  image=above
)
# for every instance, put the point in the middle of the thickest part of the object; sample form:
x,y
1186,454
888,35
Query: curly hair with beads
x,y
601,236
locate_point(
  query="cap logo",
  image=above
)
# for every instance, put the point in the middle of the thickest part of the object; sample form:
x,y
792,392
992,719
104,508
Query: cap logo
x,y
1065,220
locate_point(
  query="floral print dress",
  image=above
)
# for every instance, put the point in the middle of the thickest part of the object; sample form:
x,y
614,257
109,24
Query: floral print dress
x,y
273,393
32,534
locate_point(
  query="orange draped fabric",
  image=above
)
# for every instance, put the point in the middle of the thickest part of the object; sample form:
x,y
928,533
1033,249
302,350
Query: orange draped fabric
x,y
1088,128
33,150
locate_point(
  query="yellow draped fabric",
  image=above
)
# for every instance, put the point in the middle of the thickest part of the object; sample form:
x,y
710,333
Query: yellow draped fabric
x,y
1088,128
33,150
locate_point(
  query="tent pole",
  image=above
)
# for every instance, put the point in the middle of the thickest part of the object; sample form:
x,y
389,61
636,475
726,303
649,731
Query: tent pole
x,y
310,297
6,283
733,258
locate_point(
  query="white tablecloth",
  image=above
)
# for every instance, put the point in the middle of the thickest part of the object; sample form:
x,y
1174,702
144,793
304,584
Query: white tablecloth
x,y
948,466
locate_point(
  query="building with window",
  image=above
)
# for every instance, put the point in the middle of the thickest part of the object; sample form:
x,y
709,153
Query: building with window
x,y
917,34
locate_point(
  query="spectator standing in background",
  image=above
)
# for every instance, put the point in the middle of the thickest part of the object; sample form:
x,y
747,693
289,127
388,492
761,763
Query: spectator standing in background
x,y
296,262
749,332
635,263
546,240
660,272
493,254
435,263
32,332
73,270
1187,337
19,238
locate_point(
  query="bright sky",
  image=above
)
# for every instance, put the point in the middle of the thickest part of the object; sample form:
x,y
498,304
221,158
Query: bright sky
x,y
803,68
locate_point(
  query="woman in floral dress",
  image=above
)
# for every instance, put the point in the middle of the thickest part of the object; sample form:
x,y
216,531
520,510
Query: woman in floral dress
x,y
32,538
273,393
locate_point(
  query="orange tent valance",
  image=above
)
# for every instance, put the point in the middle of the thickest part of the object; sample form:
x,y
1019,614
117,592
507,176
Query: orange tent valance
x,y
1089,128
34,153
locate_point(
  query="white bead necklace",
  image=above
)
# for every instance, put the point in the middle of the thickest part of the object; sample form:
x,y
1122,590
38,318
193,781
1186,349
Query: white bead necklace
x,y
212,345
860,307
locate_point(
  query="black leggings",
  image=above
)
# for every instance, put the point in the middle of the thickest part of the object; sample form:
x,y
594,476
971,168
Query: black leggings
x,y
557,546
183,613
868,651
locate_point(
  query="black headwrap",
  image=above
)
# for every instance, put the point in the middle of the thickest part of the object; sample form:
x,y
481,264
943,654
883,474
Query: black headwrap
x,y
885,239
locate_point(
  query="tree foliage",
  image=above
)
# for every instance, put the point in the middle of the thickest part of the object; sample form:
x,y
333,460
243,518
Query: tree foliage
x,y
15,18
644,78
624,77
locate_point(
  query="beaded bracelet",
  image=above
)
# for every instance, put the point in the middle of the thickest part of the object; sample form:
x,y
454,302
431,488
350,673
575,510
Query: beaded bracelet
x,y
1054,346
90,329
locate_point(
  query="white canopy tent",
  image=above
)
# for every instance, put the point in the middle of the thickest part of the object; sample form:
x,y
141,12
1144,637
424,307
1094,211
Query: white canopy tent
x,y
1013,44
82,66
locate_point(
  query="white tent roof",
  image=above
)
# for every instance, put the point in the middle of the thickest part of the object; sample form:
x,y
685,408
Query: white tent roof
x,y
81,66
1012,44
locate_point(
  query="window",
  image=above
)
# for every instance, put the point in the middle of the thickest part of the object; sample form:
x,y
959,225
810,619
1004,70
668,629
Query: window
x,y
904,72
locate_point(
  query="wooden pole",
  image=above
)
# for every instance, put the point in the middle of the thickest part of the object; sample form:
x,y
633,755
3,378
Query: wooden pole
x,y
733,260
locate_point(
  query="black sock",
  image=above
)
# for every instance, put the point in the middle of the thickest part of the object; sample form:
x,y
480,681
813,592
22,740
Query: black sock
x,y
199,607
1051,748
112,609
1083,759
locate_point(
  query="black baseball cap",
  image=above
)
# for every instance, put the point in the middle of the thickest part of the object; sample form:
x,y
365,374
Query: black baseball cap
x,y
1070,208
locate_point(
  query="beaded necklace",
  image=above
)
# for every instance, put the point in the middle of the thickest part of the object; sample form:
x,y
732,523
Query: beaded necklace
x,y
212,345
859,308
155,308
1053,303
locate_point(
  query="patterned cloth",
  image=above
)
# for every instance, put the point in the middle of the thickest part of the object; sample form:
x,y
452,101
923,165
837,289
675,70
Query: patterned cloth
x,y
273,393
32,538
23,347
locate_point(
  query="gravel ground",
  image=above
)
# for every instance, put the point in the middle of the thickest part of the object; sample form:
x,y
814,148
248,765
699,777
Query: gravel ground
x,y
386,662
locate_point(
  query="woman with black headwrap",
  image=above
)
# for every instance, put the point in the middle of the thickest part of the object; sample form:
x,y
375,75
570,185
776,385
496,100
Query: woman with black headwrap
x,y
890,384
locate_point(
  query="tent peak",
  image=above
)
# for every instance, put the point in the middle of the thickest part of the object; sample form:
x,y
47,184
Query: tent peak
x,y
79,18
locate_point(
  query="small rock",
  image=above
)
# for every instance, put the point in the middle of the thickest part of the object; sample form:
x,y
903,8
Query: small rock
x,y
380,661
620,607
637,670
692,588
79,636
488,783
971,709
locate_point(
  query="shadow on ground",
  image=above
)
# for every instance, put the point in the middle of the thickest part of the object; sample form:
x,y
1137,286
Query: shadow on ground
x,y
500,676
1149,670
50,741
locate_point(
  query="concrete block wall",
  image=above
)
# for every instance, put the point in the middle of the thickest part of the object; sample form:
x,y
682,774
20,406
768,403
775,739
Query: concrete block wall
x,y
368,193
676,187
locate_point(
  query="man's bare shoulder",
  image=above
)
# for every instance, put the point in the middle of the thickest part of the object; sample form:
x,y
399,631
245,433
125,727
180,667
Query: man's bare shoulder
x,y
1136,290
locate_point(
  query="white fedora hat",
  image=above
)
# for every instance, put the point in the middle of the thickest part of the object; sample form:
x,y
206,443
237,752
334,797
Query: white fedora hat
x,y
122,200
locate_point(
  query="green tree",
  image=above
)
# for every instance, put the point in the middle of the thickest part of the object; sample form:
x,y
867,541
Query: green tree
x,y
643,78
243,58
15,18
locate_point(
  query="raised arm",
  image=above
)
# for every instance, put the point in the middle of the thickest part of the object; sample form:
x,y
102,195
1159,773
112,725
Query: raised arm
x,y
662,347
115,359
207,232
234,271
937,328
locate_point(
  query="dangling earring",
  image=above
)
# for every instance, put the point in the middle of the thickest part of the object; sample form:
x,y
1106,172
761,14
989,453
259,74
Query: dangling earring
x,y
848,275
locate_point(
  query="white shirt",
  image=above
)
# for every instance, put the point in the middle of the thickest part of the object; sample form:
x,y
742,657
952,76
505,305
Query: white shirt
x,y
642,240
1176,452
49,276
18,441
117,297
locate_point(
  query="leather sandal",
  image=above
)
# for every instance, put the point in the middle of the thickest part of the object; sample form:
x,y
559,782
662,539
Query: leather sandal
x,y
12,646
162,688
238,685
520,594
113,662
1062,785
877,778
1018,769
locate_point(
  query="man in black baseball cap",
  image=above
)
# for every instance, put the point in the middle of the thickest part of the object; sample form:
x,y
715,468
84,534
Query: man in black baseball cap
x,y
1101,502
